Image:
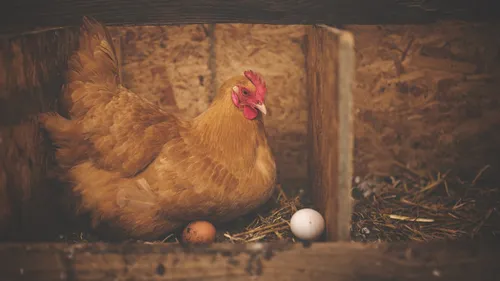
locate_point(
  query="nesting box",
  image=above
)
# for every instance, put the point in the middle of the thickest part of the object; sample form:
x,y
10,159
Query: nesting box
x,y
318,91
327,131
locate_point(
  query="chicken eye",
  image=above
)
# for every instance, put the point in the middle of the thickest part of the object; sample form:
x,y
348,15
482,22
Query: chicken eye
x,y
245,92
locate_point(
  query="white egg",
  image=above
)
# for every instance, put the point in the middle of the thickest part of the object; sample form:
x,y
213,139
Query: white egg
x,y
307,224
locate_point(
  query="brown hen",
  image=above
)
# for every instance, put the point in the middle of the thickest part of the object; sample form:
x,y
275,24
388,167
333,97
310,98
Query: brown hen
x,y
147,171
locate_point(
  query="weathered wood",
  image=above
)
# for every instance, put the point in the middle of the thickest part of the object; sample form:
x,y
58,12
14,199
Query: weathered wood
x,y
330,73
31,77
323,261
28,14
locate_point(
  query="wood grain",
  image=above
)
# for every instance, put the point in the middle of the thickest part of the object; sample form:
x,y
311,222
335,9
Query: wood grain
x,y
330,69
31,76
168,65
24,14
410,103
346,66
455,261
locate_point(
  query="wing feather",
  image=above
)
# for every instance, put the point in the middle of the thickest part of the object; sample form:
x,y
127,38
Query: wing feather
x,y
128,133
194,173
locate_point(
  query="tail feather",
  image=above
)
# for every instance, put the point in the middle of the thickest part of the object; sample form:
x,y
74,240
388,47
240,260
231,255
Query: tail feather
x,y
96,60
95,64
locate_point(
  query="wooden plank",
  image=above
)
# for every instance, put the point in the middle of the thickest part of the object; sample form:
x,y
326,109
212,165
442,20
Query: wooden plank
x,y
26,14
31,77
346,66
330,73
455,261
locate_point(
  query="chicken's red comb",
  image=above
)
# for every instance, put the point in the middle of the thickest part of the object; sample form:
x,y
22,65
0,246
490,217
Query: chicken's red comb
x,y
258,82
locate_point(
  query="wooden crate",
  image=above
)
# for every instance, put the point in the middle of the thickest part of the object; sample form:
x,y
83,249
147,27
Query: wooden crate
x,y
330,70
330,74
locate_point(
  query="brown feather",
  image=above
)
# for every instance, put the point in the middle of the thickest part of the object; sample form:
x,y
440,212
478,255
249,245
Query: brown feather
x,y
145,169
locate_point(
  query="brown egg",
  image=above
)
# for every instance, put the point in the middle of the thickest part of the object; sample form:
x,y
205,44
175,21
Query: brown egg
x,y
199,232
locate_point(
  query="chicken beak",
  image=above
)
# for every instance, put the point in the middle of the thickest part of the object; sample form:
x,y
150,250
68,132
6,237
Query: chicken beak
x,y
262,108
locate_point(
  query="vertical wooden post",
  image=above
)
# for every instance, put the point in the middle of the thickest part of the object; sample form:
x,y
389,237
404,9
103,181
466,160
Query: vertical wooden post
x,y
330,73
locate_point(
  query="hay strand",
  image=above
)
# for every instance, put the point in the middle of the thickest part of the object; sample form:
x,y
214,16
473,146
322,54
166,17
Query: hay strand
x,y
425,209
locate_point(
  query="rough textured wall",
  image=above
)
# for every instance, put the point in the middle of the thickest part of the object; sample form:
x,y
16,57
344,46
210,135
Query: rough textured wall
x,y
427,98
169,65
180,64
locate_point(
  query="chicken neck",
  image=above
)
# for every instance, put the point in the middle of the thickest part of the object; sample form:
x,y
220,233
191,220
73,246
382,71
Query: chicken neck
x,y
223,127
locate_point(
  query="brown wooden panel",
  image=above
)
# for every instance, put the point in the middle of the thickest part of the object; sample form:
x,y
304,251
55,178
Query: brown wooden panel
x,y
27,14
458,261
31,76
330,69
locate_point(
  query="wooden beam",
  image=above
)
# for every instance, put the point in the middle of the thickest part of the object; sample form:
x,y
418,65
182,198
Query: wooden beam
x,y
26,14
330,74
458,261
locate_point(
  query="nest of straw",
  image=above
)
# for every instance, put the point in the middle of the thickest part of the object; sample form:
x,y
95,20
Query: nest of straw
x,y
270,222
424,209
407,207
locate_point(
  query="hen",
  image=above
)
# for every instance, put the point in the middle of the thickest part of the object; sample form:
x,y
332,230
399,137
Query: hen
x,y
147,171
